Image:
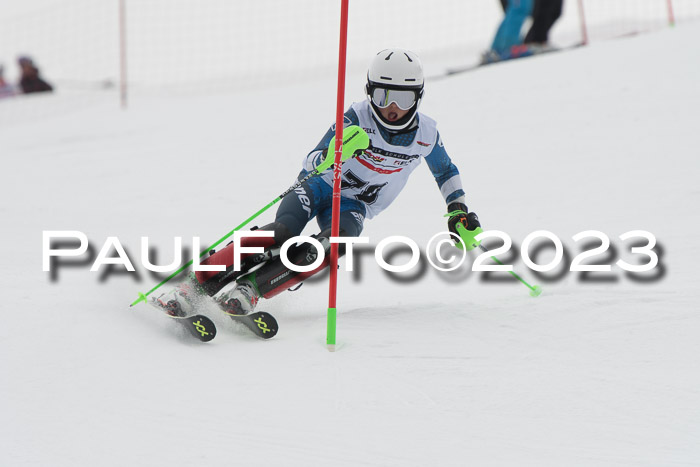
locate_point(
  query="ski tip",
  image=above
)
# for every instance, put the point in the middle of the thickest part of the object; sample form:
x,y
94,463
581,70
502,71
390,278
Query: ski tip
x,y
536,291
201,327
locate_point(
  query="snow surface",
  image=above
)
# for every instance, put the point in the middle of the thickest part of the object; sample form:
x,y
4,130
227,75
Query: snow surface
x,y
444,370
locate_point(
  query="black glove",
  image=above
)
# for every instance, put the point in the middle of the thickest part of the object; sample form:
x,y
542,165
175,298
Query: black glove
x,y
459,214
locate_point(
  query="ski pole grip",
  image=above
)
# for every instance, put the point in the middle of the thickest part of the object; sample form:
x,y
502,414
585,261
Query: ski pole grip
x,y
468,237
355,140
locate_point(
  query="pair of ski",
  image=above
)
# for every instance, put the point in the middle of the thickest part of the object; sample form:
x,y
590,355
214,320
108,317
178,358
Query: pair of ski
x,y
260,323
466,68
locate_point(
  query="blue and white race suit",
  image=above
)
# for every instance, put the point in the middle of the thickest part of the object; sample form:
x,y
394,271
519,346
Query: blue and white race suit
x,y
372,180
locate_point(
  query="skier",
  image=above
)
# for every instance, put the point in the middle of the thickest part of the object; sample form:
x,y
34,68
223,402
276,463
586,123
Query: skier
x,y
400,137
544,14
508,43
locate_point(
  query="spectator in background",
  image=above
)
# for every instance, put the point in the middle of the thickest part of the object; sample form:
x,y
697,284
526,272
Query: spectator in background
x,y
544,14
30,80
6,90
508,42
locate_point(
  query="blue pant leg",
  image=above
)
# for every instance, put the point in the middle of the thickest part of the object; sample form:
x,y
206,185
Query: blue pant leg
x,y
352,217
301,205
314,198
508,33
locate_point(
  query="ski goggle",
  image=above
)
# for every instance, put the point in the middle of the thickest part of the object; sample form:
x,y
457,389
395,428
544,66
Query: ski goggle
x,y
403,98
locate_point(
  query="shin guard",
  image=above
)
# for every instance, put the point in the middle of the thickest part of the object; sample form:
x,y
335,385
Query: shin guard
x,y
274,277
213,281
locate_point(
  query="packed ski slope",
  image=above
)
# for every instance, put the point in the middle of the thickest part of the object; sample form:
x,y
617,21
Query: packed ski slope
x,y
446,369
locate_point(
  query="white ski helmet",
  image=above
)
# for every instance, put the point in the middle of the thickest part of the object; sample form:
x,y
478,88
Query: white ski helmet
x,y
395,75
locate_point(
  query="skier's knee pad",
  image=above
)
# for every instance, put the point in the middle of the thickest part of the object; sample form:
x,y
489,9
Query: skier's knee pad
x,y
326,234
282,233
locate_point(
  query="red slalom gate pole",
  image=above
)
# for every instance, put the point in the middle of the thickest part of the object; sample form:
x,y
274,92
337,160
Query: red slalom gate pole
x,y
335,219
582,22
671,17
122,52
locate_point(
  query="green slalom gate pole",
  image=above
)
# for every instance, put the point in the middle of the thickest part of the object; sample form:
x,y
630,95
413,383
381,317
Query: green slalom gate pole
x,y
355,139
470,243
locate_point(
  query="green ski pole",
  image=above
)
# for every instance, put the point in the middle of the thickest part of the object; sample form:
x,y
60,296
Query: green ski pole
x,y
470,243
356,139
